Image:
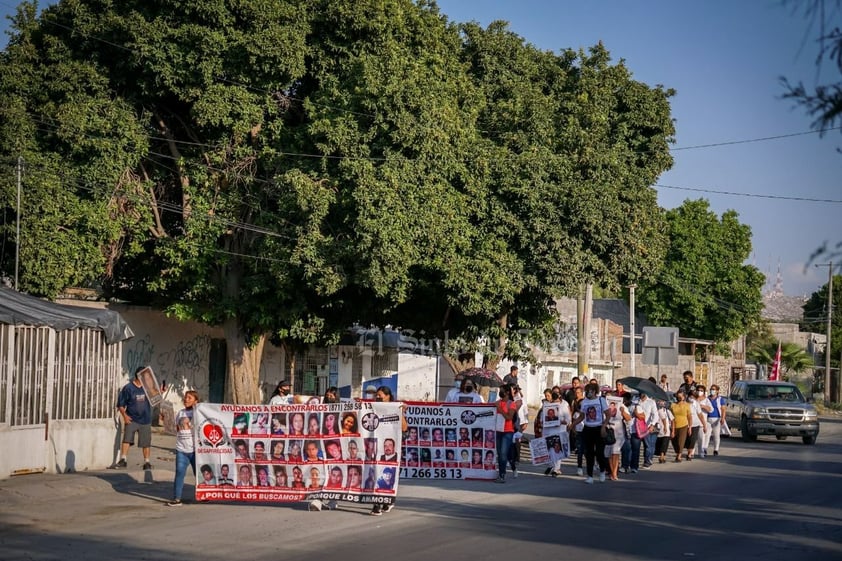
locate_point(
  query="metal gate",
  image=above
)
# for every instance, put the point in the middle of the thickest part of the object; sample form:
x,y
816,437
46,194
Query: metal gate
x,y
26,380
47,376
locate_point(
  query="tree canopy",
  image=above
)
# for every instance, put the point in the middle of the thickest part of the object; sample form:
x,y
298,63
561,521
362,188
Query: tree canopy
x,y
704,288
815,316
284,169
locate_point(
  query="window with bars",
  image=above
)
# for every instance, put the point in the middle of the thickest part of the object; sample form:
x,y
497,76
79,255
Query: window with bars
x,y
306,375
384,363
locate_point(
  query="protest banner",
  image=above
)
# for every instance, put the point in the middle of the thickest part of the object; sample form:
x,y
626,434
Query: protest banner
x,y
449,441
540,453
282,453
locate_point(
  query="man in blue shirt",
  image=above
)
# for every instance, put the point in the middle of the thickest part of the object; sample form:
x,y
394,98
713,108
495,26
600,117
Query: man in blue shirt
x,y
137,418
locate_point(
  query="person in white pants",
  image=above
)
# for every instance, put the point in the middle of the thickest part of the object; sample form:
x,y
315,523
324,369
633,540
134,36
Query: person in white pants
x,y
706,408
717,403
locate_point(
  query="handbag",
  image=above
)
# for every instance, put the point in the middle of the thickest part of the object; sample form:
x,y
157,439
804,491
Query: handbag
x,y
640,428
608,435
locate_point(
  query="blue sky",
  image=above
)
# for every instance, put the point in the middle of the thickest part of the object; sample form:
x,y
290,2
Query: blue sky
x,y
724,58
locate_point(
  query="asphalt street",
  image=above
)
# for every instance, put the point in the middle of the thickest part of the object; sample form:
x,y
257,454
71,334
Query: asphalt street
x,y
763,500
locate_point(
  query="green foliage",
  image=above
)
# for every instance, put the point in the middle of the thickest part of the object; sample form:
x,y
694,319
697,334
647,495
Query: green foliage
x,y
794,359
295,167
815,316
704,288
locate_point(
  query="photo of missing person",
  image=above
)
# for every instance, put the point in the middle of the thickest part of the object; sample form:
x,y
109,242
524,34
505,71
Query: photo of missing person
x,y
335,477
241,424
352,450
279,424
355,477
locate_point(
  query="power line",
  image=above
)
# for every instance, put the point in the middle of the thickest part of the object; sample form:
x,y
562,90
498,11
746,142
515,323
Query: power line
x,y
751,195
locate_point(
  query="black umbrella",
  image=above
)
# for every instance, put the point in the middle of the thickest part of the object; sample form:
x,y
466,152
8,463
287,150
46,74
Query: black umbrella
x,y
643,385
481,377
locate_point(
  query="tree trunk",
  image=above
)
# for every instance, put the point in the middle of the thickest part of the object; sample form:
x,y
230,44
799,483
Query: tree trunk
x,y
243,365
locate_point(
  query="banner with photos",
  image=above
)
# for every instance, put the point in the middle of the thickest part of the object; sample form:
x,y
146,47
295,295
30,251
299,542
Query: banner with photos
x,y
554,444
449,441
345,451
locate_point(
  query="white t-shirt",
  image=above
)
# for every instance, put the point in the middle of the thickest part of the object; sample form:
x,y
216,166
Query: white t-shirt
x,y
281,399
695,410
460,397
184,435
649,408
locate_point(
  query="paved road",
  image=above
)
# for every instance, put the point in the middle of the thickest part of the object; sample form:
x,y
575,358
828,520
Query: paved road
x,y
765,500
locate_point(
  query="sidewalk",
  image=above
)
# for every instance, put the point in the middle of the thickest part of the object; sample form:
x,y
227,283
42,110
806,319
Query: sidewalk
x,y
35,489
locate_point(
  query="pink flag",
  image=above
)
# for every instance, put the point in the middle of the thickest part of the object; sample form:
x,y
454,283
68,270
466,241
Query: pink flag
x,y
775,375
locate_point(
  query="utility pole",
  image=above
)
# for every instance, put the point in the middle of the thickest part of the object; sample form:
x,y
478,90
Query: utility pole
x,y
827,397
17,225
584,310
632,337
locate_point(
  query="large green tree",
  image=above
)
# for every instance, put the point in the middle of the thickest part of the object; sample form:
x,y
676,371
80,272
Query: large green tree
x,y
283,169
704,288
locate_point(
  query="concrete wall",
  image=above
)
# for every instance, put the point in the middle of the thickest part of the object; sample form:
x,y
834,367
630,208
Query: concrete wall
x,y
83,445
179,352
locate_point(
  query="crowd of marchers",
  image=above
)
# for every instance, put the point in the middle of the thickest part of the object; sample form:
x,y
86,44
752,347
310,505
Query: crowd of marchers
x,y
623,431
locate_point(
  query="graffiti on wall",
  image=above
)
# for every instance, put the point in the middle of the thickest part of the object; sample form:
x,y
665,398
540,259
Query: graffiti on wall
x,y
185,364
139,354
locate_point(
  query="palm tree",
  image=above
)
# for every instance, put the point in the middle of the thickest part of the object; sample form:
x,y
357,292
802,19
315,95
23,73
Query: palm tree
x,y
794,359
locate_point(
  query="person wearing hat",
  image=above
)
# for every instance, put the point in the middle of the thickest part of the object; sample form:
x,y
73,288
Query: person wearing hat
x,y
282,394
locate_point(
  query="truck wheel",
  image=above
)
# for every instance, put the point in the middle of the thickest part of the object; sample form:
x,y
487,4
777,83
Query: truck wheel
x,y
744,432
809,439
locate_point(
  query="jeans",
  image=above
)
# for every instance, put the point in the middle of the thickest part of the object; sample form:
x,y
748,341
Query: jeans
x,y
649,448
625,453
514,454
635,451
504,445
182,460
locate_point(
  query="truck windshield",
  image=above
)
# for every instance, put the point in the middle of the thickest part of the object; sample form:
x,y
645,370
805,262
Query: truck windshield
x,y
775,393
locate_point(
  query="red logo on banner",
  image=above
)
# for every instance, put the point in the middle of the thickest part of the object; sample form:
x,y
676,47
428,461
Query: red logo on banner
x,y
213,434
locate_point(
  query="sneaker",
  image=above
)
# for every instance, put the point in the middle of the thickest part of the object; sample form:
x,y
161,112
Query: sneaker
x,y
377,510
633,470
579,471
388,508
175,502
625,470
333,505
589,480
500,479
647,465
548,471
315,505
716,452
147,466
602,477
514,473
122,463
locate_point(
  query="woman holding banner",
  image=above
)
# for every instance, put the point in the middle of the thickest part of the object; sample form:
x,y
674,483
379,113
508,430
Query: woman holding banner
x,y
507,409
384,393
